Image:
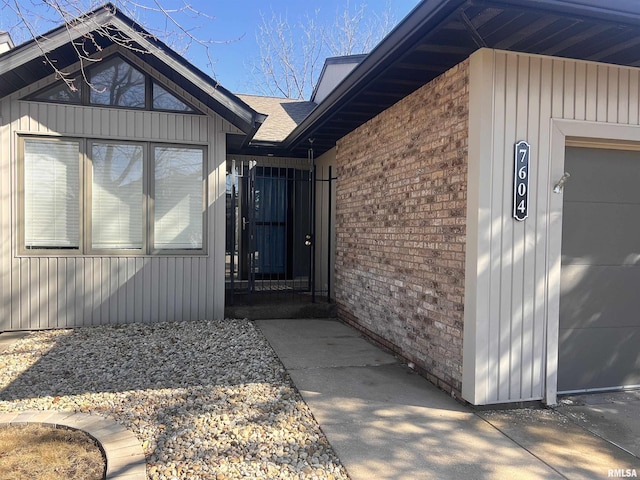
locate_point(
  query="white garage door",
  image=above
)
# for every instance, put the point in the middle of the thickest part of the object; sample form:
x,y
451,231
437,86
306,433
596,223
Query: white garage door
x,y
599,344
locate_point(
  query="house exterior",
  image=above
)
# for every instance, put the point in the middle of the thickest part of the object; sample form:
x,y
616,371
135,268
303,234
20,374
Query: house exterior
x,y
113,197
477,175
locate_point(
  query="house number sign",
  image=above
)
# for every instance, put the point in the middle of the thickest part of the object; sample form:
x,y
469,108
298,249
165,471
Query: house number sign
x,y
521,181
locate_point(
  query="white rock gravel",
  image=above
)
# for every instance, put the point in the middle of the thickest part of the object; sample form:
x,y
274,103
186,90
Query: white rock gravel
x,y
208,400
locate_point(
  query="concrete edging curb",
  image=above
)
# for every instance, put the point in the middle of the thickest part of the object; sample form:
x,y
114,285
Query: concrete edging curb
x,y
123,452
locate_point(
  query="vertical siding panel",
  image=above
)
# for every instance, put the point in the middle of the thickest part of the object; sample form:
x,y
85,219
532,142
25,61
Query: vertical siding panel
x,y
95,121
623,96
171,289
147,127
22,284
187,306
122,123
542,199
53,295
115,312
150,287
498,369
520,116
569,89
612,96
64,284
157,291
6,111
633,97
204,129
529,356
171,127
580,86
139,288
179,288
591,93
34,293
218,245
507,240
558,89
180,134
16,300
106,315
127,287
96,290
43,294
603,87
155,126
106,127
137,129
60,123
79,126
79,292
202,289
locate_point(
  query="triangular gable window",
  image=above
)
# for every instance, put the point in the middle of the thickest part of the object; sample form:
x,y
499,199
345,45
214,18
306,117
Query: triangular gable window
x,y
58,92
115,83
118,84
163,100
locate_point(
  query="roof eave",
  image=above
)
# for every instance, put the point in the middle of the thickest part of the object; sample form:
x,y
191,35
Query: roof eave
x,y
428,12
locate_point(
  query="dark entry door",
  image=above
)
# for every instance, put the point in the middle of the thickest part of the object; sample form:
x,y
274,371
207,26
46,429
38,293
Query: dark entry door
x,y
599,342
274,217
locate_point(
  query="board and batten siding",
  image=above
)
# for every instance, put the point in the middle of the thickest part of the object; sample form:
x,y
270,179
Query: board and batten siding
x,y
42,292
512,282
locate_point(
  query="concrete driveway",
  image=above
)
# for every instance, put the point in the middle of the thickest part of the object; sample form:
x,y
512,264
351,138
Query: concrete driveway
x,y
614,417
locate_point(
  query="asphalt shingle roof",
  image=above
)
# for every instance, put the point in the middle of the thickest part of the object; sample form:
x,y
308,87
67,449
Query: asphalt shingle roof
x,y
283,115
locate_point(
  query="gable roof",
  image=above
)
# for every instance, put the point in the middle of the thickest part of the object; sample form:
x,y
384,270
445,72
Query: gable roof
x,y
439,34
23,65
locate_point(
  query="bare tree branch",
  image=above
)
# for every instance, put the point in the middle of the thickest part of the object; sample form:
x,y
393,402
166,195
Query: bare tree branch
x,y
33,17
291,55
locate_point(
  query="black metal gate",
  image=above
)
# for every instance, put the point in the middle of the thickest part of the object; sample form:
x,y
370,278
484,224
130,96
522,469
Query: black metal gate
x,y
270,221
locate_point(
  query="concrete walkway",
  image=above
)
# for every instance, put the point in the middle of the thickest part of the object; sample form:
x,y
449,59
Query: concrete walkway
x,y
385,422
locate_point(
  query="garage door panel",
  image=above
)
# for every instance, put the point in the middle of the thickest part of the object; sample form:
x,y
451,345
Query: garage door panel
x,y
599,336
601,234
596,296
601,175
609,359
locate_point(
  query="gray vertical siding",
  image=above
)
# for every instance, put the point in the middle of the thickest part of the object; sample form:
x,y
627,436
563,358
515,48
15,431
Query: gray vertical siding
x,y
513,272
39,292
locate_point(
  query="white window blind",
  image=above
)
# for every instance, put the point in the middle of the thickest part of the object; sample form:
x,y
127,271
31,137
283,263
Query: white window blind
x,y
51,193
178,198
116,196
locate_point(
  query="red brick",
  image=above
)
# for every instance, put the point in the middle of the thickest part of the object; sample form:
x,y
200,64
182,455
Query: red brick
x,y
401,225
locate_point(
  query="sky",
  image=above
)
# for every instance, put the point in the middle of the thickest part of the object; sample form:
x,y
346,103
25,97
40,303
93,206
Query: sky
x,y
231,25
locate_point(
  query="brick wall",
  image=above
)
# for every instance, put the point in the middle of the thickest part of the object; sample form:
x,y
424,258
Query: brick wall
x,y
400,226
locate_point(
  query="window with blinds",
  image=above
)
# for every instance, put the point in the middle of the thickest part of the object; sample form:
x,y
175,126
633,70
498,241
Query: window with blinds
x,y
141,198
51,193
116,196
178,198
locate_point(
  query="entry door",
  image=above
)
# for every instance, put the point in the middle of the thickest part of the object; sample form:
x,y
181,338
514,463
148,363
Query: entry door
x,y
275,217
599,343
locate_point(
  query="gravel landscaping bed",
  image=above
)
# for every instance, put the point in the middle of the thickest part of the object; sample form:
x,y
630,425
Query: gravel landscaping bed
x,y
208,400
